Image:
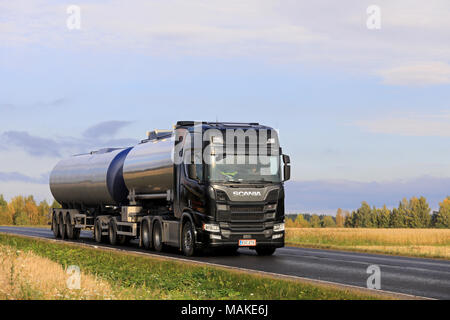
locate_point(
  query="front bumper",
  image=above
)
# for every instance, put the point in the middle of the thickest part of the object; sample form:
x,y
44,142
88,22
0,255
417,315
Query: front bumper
x,y
204,239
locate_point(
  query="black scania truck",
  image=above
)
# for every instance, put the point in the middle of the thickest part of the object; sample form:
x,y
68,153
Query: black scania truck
x,y
200,185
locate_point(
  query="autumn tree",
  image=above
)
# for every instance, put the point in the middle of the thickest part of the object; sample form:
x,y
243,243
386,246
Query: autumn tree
x,y
383,217
315,221
442,219
419,213
5,216
300,222
340,219
328,222
43,212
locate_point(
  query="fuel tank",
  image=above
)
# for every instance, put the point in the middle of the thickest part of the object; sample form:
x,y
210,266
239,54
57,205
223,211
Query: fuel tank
x,y
91,179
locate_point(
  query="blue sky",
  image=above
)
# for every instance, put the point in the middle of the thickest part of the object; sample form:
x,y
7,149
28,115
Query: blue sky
x,y
353,106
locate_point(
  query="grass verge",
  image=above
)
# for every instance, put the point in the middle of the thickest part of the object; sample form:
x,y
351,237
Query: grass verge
x,y
424,243
132,276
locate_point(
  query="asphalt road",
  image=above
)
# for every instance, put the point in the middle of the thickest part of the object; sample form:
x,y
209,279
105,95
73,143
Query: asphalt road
x,y
415,276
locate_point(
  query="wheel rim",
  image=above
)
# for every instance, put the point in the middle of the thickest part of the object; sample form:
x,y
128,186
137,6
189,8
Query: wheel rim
x,y
157,236
145,237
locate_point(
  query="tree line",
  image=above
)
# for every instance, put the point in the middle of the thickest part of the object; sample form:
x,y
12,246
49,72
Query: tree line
x,y
413,213
25,211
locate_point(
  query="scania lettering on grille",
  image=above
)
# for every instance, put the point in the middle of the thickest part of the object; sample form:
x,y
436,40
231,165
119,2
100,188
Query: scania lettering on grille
x,y
247,193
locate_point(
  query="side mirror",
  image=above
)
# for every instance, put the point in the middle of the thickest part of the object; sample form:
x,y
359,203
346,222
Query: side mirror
x,y
286,159
287,172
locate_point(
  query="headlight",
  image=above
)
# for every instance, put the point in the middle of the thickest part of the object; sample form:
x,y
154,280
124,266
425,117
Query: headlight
x,y
278,227
211,227
270,207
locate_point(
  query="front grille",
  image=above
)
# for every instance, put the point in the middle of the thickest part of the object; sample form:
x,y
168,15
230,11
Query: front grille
x,y
246,228
247,209
251,216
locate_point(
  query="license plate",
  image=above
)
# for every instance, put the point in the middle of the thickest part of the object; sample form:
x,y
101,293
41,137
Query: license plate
x,y
247,242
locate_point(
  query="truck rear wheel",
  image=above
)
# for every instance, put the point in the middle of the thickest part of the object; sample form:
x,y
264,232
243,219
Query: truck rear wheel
x,y
55,226
188,240
146,235
157,237
112,232
62,228
76,233
265,251
98,232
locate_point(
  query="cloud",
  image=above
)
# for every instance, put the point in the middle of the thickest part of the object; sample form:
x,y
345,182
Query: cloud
x,y
95,137
107,128
51,103
428,73
35,146
19,177
425,125
329,195
329,34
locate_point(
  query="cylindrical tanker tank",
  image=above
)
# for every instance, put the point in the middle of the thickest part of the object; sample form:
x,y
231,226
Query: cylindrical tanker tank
x,y
90,180
148,167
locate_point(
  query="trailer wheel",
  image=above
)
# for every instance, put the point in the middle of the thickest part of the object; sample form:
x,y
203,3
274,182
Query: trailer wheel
x,y
112,232
62,228
188,240
69,227
98,232
265,251
157,237
55,226
146,235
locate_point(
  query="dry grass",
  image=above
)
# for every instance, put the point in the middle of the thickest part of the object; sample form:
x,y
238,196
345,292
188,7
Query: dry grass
x,y
24,275
432,243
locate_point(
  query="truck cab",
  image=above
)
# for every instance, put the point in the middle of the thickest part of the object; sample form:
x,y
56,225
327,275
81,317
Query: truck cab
x,y
230,186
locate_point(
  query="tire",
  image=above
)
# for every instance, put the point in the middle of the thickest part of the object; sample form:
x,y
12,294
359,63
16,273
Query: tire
x,y
76,233
112,232
146,236
157,237
62,228
265,251
188,240
98,232
69,227
55,226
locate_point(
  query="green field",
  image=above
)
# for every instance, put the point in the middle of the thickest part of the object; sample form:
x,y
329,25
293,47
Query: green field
x,y
132,276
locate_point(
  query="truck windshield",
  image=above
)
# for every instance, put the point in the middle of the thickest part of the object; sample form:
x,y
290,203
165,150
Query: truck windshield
x,y
237,168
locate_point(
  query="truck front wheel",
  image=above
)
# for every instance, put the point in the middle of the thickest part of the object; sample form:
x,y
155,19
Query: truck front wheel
x,y
188,239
